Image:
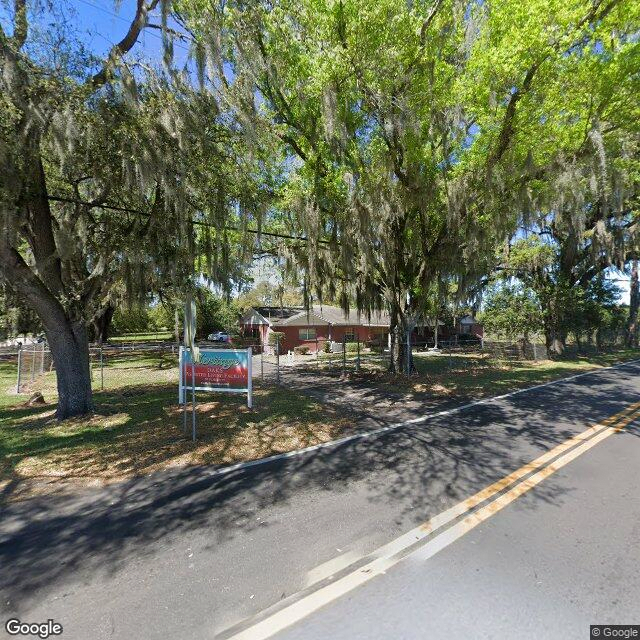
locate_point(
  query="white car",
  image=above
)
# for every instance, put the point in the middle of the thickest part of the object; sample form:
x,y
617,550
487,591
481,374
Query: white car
x,y
220,336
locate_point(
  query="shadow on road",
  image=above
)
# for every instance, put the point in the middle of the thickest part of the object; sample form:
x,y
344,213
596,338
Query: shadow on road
x,y
418,471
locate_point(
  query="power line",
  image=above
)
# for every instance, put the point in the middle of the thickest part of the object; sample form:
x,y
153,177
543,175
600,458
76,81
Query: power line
x,y
199,223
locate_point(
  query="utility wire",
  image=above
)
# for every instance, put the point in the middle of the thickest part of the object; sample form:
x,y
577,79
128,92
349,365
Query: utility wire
x,y
199,223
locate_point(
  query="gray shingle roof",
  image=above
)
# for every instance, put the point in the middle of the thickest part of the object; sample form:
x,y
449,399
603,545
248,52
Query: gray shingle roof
x,y
335,316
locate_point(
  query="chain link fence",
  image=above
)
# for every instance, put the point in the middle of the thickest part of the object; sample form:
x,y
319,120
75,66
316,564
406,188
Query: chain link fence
x,y
34,362
276,365
112,368
123,368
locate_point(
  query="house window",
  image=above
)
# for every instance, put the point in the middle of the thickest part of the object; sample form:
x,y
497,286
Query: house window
x,y
349,336
465,328
308,333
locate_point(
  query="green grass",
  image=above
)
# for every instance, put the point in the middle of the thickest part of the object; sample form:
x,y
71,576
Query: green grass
x,y
138,428
8,375
481,375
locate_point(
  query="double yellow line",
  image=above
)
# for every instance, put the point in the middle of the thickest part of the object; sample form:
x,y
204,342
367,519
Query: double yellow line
x,y
600,431
496,496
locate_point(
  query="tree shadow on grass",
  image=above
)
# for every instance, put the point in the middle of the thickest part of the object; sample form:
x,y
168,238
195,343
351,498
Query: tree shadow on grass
x,y
414,472
137,430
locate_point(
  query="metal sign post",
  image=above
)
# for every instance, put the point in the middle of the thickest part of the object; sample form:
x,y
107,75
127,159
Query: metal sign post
x,y
193,387
181,390
250,378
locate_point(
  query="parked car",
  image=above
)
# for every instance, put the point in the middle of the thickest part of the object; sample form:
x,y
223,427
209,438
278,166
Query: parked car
x,y
219,336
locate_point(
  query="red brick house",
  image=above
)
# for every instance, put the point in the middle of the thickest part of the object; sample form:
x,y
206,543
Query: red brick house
x,y
322,323
469,325
315,326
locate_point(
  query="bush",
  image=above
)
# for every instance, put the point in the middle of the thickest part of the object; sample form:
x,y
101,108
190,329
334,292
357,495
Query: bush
x,y
275,336
301,350
327,346
351,347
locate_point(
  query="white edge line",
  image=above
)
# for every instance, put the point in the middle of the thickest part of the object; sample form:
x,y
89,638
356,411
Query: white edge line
x,y
398,425
389,555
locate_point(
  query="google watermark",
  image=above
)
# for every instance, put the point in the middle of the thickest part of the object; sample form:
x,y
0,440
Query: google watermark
x,y
615,631
15,627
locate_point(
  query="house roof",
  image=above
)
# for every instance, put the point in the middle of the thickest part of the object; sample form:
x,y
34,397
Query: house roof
x,y
327,314
268,315
319,315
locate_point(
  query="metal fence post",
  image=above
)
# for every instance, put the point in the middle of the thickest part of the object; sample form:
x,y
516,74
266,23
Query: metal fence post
x,y
262,363
33,363
358,354
101,369
408,353
19,368
278,360
344,353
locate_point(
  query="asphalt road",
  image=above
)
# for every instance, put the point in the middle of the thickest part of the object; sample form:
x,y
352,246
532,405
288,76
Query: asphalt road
x,y
189,554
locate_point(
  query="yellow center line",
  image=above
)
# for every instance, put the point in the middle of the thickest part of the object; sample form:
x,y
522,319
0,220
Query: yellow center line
x,y
525,478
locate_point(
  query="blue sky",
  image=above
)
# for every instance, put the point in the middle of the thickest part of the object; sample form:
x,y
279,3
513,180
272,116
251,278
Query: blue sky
x,y
102,23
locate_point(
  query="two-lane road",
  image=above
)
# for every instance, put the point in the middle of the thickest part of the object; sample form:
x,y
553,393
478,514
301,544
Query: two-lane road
x,y
193,553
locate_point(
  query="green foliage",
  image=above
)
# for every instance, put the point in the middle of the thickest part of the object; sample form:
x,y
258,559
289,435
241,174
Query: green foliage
x,y
134,319
275,337
16,318
215,313
265,293
420,135
511,311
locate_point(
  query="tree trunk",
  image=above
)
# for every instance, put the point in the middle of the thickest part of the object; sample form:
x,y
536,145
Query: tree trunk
x,y
634,303
396,364
69,346
67,336
102,324
396,351
555,340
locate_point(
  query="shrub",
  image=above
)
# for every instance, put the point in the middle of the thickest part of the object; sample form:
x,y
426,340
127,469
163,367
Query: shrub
x,y
275,336
327,346
351,347
302,350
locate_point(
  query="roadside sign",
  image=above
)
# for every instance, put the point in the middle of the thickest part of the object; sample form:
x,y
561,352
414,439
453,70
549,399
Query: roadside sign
x,y
225,370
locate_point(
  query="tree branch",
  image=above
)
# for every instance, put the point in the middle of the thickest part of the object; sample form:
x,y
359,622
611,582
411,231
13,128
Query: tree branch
x,y
117,51
20,24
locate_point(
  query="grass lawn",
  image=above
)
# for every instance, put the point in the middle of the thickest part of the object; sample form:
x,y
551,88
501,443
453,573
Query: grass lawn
x,y
138,428
480,375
